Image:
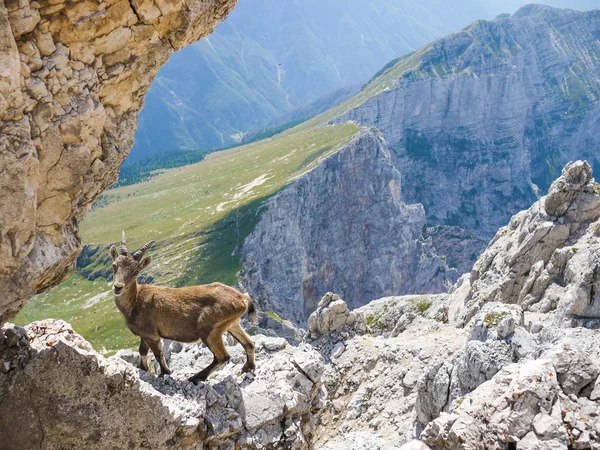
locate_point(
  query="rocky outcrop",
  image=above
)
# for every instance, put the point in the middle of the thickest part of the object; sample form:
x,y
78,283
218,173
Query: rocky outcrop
x,y
458,371
73,76
548,257
66,395
344,228
333,316
510,377
497,338
477,122
543,403
528,371
372,377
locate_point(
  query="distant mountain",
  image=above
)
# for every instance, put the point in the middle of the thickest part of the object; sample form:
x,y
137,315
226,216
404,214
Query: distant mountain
x,y
482,121
271,56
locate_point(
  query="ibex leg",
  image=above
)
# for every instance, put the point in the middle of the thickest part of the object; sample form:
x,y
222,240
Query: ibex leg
x,y
144,355
243,338
214,342
156,347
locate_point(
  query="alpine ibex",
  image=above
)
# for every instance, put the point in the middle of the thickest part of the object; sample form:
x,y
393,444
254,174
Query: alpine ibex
x,y
186,314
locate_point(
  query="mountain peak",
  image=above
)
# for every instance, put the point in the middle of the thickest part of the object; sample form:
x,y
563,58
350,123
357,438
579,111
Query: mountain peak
x,y
531,10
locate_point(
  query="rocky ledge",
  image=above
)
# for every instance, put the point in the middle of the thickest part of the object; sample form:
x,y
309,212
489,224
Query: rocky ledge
x,y
72,397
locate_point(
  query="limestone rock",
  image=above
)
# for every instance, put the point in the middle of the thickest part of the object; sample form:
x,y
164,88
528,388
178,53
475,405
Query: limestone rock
x,y
359,441
372,383
547,257
333,316
488,349
73,76
536,403
85,400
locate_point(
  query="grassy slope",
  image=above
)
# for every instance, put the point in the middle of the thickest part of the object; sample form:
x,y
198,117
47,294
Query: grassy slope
x,y
198,214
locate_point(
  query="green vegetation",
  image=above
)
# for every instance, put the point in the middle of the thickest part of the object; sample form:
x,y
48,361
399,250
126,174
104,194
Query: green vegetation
x,y
374,323
274,316
421,304
89,307
150,167
493,319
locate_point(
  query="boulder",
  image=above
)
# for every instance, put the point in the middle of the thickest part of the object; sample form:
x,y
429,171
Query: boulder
x,y
333,316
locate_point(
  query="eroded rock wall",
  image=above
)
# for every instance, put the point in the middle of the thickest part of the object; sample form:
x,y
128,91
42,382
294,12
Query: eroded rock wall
x,y
342,227
73,76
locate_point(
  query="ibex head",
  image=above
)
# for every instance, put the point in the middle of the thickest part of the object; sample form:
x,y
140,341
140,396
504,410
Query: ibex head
x,y
126,267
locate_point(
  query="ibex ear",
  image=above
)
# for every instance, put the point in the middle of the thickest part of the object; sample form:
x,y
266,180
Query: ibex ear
x,y
113,252
145,262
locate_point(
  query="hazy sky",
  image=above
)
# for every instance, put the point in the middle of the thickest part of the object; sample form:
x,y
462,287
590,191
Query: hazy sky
x,y
582,5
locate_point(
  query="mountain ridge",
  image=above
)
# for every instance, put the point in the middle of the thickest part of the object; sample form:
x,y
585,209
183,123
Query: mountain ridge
x,y
484,80
271,57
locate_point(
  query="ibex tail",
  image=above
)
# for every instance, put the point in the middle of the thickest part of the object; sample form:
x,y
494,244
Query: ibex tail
x,y
253,315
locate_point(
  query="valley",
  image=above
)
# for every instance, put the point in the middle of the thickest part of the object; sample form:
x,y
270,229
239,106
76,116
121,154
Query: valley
x,y
201,214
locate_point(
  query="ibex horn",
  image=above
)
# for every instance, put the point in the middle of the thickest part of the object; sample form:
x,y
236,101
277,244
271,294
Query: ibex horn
x,y
140,252
123,245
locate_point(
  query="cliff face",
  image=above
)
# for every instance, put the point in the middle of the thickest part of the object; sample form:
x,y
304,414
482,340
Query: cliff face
x,y
488,115
73,76
342,227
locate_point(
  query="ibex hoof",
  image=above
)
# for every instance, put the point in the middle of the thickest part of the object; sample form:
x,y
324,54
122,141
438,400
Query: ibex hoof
x,y
196,380
248,368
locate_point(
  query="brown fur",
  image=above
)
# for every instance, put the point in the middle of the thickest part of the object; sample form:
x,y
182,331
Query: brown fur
x,y
186,314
